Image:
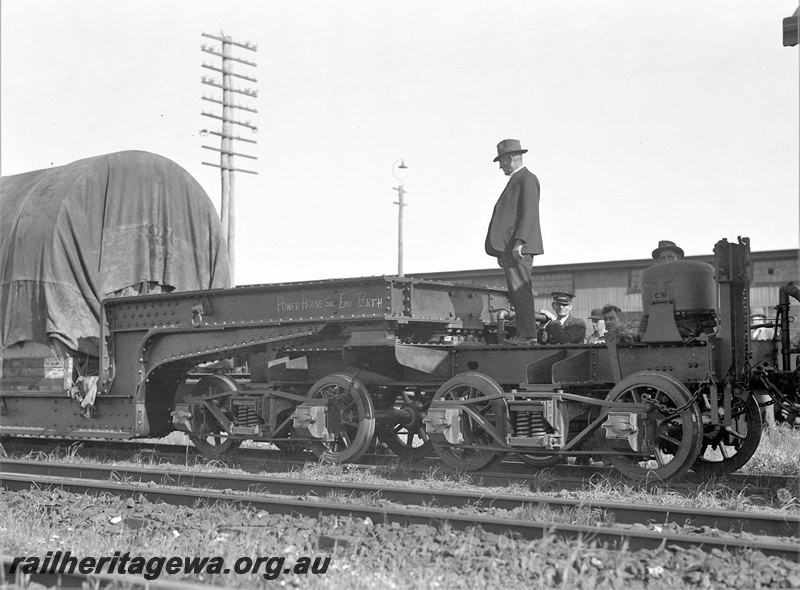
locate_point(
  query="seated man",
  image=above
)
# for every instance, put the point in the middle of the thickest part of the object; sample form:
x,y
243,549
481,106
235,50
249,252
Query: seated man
x,y
561,327
615,324
598,328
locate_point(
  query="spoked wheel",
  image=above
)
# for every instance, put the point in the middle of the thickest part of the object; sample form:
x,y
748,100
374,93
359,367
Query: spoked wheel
x,y
351,418
216,444
726,450
408,441
673,428
492,413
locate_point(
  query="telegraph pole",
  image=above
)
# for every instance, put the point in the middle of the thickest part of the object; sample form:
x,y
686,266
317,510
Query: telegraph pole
x,y
226,134
401,192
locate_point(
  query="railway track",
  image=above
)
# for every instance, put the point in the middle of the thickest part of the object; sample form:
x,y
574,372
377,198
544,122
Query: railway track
x,y
568,476
778,525
772,534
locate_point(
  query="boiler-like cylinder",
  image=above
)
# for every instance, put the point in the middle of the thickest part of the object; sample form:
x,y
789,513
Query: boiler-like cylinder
x,y
690,286
689,283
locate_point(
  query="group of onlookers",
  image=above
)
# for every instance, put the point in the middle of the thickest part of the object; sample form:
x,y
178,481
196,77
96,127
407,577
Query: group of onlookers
x,y
609,319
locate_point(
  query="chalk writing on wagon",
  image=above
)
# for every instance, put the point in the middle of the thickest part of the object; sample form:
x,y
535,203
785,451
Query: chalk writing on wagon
x,y
351,300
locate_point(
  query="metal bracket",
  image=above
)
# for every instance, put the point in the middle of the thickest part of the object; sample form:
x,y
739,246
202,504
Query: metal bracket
x,y
199,310
623,425
311,421
661,322
444,423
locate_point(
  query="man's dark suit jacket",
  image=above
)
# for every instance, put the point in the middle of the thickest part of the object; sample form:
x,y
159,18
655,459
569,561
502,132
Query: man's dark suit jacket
x,y
573,331
516,216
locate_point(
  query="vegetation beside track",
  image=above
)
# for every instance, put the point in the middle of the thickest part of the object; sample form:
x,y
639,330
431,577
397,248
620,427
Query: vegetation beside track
x,y
363,554
367,555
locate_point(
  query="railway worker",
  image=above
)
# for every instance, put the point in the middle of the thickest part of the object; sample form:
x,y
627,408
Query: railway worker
x,y
667,252
598,327
562,327
615,324
514,236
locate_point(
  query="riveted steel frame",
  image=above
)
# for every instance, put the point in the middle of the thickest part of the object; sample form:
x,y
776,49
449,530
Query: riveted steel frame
x,y
381,328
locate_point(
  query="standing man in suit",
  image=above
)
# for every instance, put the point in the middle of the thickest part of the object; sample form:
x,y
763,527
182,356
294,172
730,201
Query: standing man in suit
x,y
562,327
515,236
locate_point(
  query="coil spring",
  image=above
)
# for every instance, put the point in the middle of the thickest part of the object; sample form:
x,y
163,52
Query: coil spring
x,y
530,423
246,415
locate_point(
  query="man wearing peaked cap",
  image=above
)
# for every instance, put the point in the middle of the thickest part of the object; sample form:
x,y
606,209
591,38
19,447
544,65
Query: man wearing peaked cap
x,y
562,327
514,236
667,252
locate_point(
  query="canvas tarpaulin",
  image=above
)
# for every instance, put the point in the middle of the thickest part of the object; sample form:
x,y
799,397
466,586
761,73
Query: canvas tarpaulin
x,y
73,235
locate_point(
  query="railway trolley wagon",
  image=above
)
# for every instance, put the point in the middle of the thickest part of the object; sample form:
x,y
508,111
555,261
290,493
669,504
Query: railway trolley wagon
x,y
331,365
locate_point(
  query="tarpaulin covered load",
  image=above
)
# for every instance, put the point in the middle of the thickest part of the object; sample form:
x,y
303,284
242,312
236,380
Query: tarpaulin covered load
x,y
73,235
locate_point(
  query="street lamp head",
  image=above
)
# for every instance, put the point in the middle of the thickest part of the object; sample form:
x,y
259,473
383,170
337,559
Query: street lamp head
x,y
402,166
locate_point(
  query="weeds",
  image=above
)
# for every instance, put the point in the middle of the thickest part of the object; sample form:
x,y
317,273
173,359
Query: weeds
x,y
778,452
543,480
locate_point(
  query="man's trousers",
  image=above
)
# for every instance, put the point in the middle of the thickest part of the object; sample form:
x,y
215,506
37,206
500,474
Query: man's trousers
x,y
519,278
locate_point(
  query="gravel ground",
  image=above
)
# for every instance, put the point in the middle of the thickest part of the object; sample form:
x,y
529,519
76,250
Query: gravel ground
x,y
364,555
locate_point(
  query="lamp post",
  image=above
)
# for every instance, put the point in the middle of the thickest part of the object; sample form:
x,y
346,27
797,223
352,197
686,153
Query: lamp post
x,y
400,203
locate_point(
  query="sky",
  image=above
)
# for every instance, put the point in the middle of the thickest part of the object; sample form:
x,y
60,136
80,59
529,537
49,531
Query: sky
x,y
644,120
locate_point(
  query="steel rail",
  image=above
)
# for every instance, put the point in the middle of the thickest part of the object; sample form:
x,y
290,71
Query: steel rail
x,y
759,523
509,470
614,537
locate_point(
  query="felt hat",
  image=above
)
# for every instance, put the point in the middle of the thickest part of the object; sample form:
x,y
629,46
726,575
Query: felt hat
x,y
508,146
562,297
597,314
667,245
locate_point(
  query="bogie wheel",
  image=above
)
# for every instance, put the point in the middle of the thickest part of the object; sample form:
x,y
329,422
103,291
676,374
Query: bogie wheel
x,y
410,444
494,412
353,412
216,444
408,441
725,451
673,426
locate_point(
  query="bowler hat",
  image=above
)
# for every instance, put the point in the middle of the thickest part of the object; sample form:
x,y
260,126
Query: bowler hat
x,y
667,245
562,296
508,146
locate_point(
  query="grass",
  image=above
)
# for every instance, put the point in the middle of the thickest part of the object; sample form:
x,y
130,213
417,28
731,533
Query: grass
x,y
381,555
778,453
33,522
378,555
